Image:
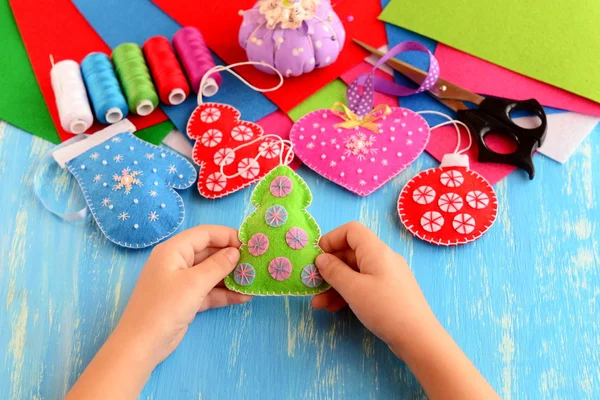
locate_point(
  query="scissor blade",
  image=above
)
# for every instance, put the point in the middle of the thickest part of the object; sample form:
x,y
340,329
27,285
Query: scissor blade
x,y
447,92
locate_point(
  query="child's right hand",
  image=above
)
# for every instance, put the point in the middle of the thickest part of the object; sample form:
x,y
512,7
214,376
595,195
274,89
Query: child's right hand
x,y
382,292
375,282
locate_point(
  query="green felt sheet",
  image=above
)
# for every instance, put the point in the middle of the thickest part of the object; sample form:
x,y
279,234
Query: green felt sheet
x,y
295,203
21,101
323,99
556,41
156,133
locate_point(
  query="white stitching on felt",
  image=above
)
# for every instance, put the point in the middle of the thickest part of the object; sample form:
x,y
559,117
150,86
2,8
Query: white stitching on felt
x,y
308,291
347,186
404,193
180,204
196,153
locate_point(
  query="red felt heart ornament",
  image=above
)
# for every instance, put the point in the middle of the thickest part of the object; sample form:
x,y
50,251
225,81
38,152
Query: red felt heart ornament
x,y
232,153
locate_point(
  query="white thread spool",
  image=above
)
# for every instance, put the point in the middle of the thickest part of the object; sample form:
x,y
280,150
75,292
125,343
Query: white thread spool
x,y
71,97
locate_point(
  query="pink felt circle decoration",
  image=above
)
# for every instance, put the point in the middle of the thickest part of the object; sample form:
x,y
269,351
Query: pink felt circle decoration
x,y
310,276
280,268
296,238
244,274
258,244
276,215
281,186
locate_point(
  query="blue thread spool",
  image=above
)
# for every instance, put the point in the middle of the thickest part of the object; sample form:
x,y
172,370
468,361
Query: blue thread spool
x,y
104,89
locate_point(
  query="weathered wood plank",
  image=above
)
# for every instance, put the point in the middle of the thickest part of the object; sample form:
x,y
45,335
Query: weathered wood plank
x,y
522,301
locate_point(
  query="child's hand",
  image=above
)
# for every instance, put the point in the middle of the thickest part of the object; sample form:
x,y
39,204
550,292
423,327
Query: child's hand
x,y
381,290
179,281
374,281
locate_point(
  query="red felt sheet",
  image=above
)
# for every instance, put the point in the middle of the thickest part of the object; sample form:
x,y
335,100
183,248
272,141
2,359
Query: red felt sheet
x,y
219,23
55,27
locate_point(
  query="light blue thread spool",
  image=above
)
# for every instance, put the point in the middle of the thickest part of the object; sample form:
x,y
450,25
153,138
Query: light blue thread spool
x,y
104,89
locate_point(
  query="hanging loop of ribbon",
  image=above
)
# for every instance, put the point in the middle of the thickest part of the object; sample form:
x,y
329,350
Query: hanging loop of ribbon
x,y
40,189
352,120
229,68
283,160
360,93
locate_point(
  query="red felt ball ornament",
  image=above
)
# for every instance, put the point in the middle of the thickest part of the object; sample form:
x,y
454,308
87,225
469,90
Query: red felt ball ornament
x,y
450,205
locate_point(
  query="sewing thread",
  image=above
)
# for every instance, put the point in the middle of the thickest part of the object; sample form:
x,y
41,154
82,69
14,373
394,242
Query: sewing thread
x,y
135,78
196,60
71,97
166,71
104,89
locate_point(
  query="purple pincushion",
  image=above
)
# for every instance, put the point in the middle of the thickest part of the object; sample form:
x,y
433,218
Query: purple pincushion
x,y
294,37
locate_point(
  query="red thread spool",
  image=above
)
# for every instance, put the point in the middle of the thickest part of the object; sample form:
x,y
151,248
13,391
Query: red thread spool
x,y
166,71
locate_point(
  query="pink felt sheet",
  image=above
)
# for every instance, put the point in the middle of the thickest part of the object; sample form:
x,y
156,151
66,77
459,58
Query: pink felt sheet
x,y
483,77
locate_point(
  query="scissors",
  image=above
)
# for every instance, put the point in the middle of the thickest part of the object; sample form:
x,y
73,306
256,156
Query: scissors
x,y
491,115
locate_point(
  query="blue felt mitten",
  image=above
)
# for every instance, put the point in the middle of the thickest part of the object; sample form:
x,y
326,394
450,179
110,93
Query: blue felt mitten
x,y
128,184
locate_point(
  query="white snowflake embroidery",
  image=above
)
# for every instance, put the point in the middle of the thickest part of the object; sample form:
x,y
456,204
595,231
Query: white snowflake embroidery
x,y
126,180
409,142
97,178
149,156
477,199
241,133
248,168
105,202
452,178
359,145
311,145
362,183
123,216
210,115
152,216
332,164
153,193
333,141
116,140
450,202
171,169
464,224
211,137
118,158
94,156
432,221
424,195
384,162
216,182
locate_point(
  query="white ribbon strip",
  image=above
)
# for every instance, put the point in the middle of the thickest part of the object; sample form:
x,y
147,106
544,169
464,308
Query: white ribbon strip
x,y
64,154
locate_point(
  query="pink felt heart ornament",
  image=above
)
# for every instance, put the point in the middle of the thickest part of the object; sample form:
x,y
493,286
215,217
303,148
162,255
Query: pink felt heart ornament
x,y
361,157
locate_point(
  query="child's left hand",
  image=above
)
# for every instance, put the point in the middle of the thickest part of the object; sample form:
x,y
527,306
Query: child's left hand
x,y
182,277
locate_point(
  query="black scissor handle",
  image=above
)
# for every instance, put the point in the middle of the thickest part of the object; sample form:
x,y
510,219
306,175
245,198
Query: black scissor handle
x,y
493,115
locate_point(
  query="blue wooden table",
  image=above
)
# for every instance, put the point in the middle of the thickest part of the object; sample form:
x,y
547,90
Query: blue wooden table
x,y
523,302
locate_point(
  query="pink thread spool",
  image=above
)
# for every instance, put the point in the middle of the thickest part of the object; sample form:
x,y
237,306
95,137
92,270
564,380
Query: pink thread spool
x,y
196,60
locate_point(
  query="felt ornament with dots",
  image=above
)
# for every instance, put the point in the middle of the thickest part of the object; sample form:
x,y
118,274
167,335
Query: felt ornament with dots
x,y
279,240
232,153
362,147
128,184
450,205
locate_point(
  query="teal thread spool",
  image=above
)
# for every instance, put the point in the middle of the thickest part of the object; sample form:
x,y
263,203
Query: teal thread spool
x,y
135,78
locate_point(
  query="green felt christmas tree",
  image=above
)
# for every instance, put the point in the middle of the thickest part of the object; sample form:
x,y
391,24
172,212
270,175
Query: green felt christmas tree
x,y
279,240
